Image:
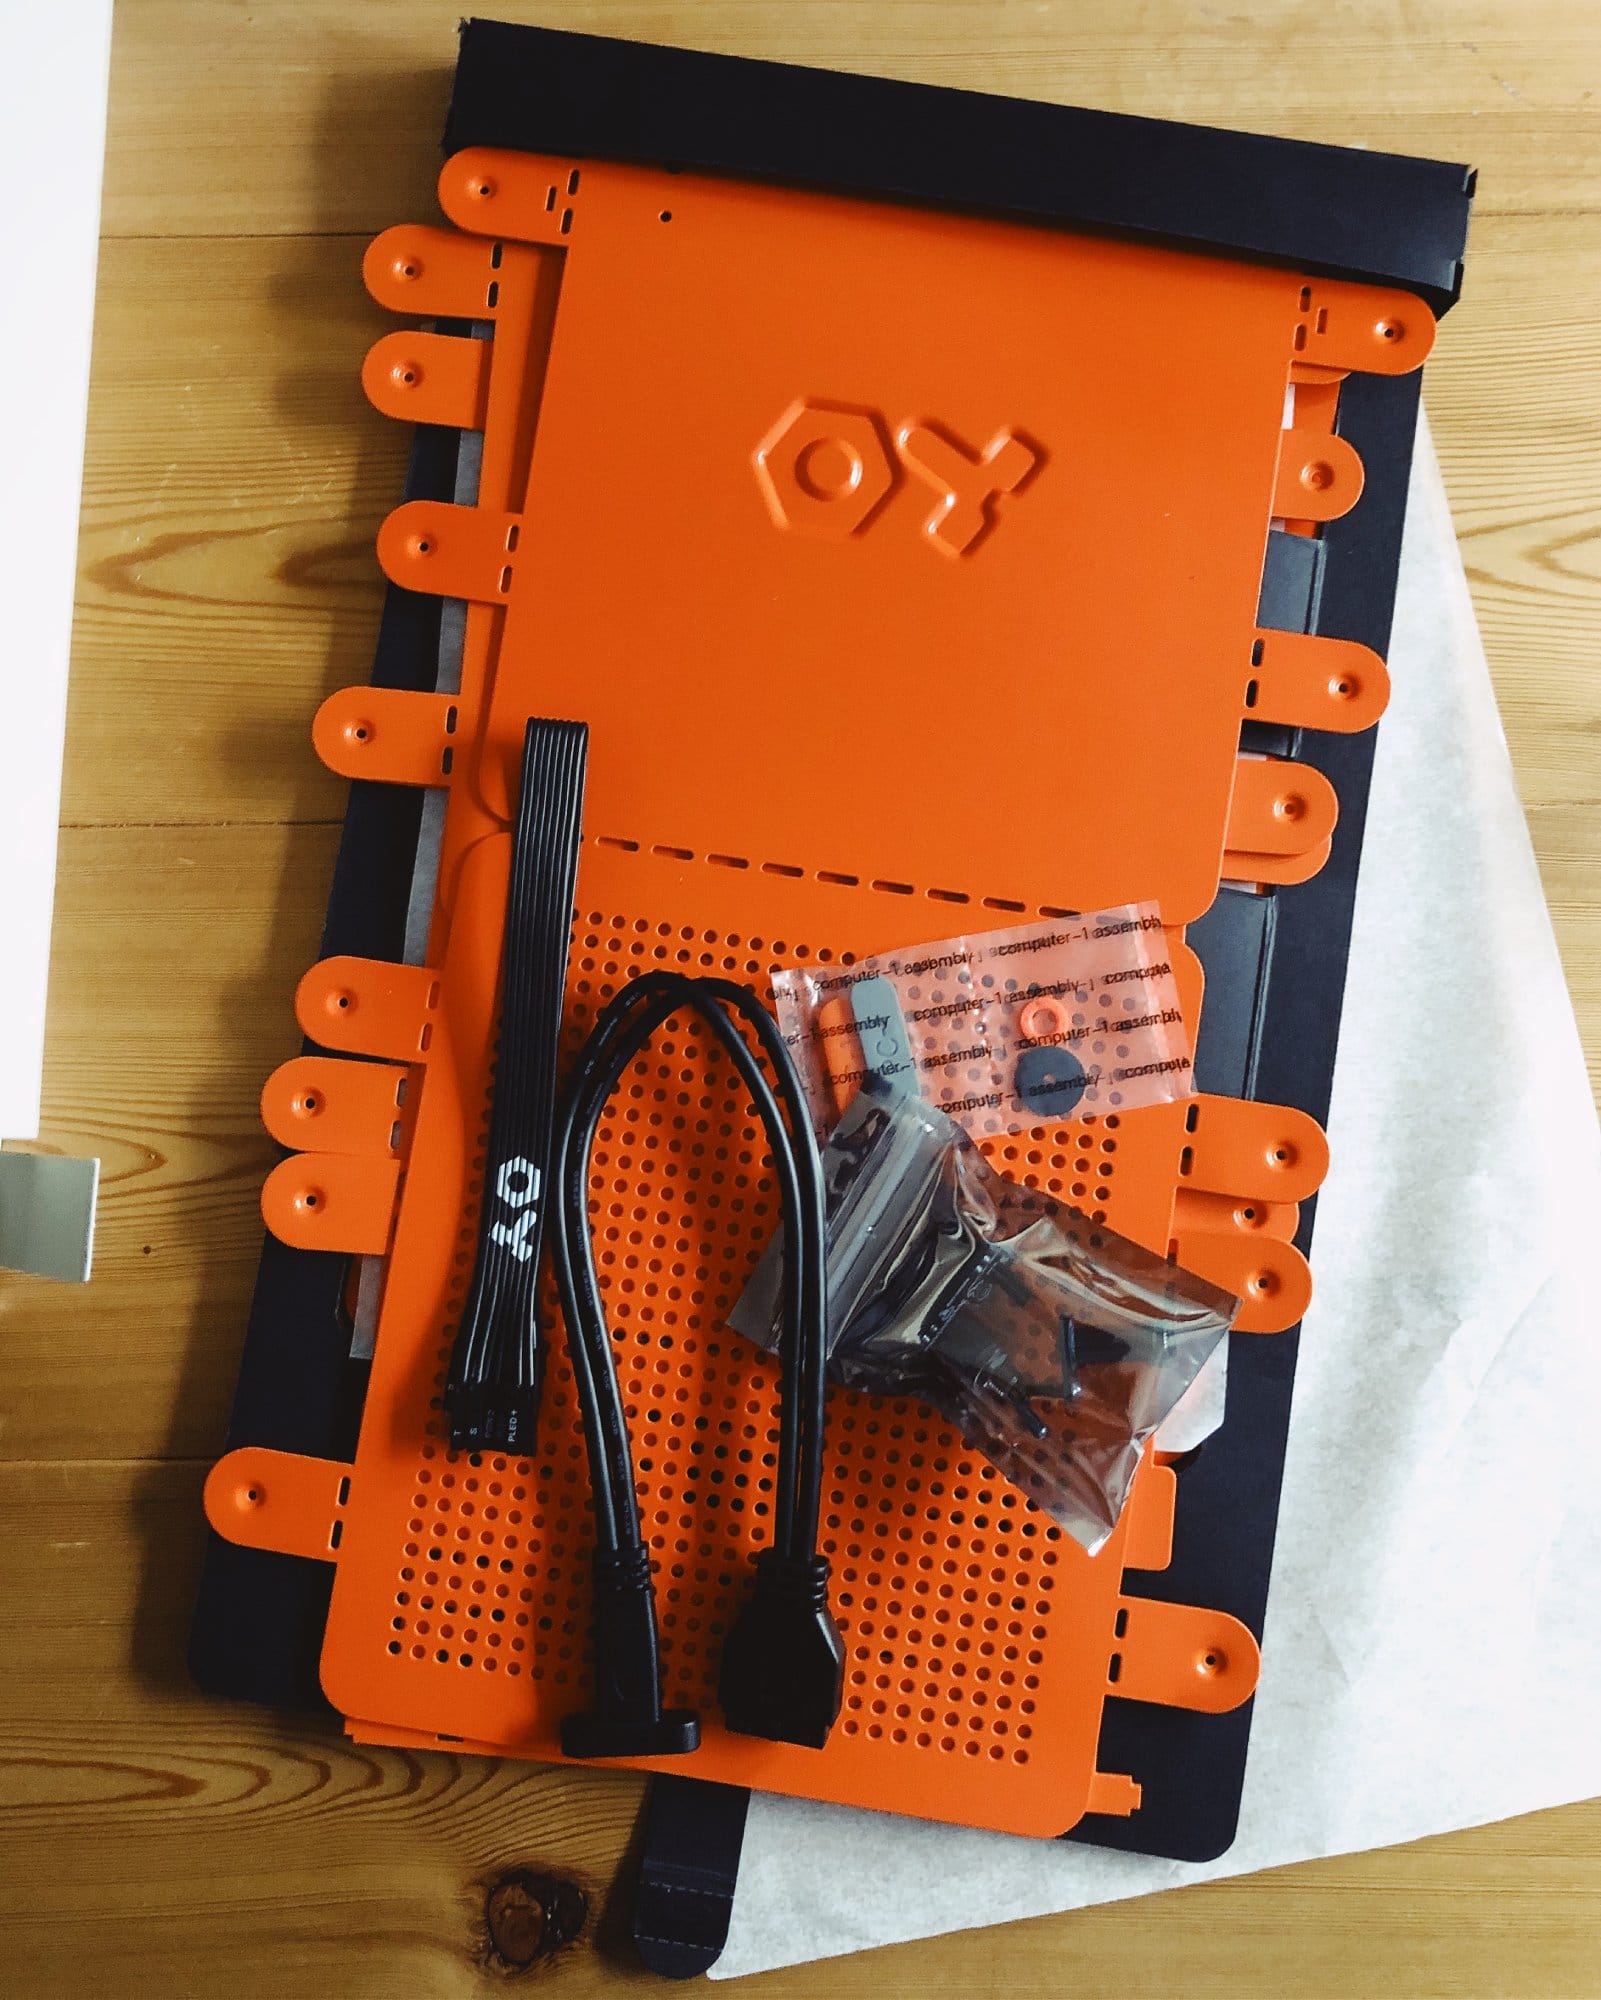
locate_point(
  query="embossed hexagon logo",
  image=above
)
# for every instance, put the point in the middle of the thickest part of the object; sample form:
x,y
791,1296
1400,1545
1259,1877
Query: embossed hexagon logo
x,y
825,468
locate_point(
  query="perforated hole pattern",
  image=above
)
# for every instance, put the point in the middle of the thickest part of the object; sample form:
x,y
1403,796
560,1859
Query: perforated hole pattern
x,y
944,1575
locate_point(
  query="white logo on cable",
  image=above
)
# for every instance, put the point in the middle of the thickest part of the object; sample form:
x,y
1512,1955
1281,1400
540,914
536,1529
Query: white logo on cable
x,y
517,1186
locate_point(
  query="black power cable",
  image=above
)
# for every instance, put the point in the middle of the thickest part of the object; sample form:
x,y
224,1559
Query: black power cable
x,y
497,1364
783,1660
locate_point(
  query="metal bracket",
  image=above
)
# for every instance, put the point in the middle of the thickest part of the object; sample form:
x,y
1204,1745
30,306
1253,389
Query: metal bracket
x,y
47,1215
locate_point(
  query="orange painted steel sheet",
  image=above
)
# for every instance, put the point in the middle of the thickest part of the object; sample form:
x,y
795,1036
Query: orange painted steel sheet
x,y
1014,680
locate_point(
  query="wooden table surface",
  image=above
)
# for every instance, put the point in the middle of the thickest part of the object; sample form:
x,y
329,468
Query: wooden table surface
x,y
154,1843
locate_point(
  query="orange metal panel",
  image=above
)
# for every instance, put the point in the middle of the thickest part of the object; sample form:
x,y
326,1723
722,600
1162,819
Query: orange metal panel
x,y
880,551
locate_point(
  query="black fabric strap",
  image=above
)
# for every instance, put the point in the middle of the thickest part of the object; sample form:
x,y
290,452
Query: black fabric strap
x,y
693,1834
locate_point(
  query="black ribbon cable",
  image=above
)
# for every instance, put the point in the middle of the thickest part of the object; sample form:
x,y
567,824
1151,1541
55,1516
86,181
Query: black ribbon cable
x,y
497,1365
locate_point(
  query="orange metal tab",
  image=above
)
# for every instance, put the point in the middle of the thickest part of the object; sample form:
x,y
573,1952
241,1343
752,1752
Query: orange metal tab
x,y
1269,1277
369,1007
429,378
1309,682
1280,807
278,1500
335,1106
1194,1210
332,1201
1149,1544
1319,478
1114,1794
1253,1151
433,273
1188,975
1184,1657
1277,871
477,193
1362,327
394,735
447,551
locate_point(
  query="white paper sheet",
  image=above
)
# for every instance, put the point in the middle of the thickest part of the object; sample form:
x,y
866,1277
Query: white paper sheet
x,y
52,135
1433,1643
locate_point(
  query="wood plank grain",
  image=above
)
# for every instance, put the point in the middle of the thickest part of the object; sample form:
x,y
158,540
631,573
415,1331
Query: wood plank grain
x,y
323,117
1567,844
236,477
178,1845
172,981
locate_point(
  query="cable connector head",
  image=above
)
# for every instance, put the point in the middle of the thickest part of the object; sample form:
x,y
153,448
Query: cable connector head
x,y
627,1719
783,1671
495,1416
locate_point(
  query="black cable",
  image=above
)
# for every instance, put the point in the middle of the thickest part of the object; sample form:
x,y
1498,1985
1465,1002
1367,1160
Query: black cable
x,y
783,1661
497,1362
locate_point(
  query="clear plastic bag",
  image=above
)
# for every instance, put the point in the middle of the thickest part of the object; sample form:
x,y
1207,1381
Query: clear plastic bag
x,y
1054,1345
1004,1030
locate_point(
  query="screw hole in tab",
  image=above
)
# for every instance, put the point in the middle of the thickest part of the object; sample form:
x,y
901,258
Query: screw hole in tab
x,y
1283,1155
1317,476
482,188
407,268
1212,1661
1389,329
309,1104
1345,689
1289,805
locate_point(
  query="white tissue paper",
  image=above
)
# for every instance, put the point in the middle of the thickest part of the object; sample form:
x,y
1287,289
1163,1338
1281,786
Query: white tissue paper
x,y
1433,1640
